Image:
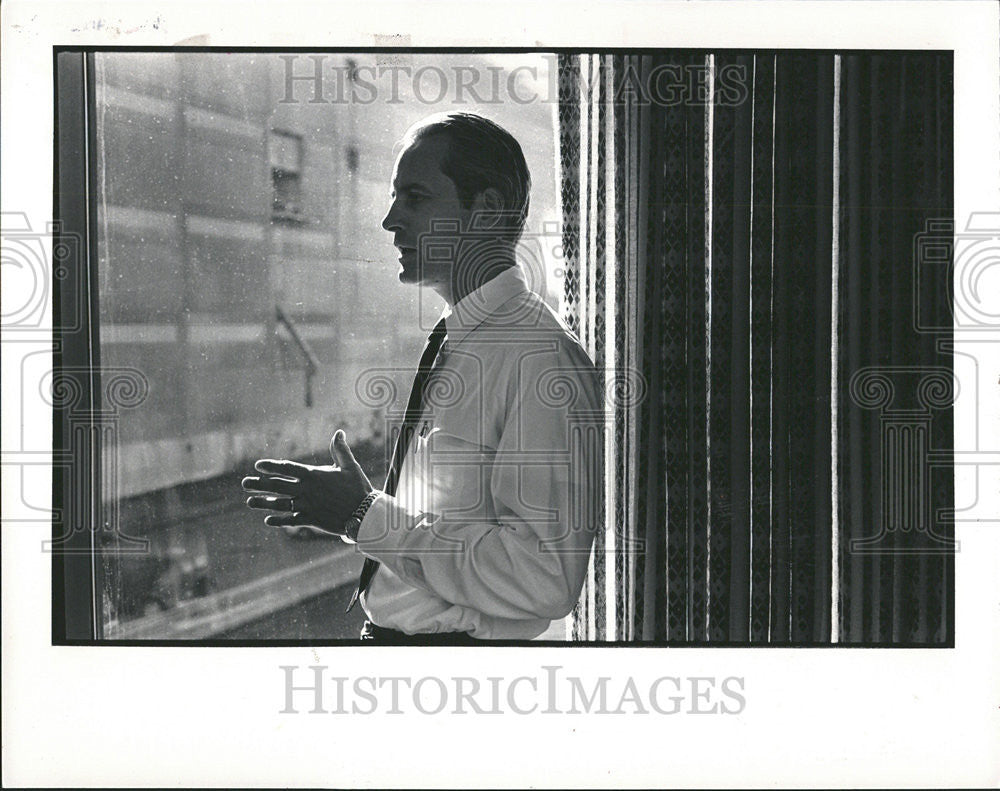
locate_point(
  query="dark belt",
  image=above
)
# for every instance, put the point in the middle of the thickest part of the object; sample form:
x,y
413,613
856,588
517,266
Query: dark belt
x,y
379,634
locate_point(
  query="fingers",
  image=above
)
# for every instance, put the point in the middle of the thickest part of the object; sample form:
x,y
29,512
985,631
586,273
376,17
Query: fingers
x,y
286,520
283,467
271,485
270,503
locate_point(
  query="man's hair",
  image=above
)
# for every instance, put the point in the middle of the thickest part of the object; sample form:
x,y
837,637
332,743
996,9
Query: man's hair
x,y
480,154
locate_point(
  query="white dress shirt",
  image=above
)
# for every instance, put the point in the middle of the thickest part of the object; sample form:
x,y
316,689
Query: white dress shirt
x,y
493,519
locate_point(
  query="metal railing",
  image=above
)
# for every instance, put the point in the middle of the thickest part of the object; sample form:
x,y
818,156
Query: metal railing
x,y
311,363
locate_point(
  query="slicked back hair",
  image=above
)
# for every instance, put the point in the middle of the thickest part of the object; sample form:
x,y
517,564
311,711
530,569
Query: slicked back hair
x,y
480,154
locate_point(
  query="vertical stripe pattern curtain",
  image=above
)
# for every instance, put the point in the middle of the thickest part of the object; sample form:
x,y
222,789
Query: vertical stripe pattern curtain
x,y
732,225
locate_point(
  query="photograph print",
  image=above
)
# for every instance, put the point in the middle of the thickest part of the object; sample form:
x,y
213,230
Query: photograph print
x,y
531,347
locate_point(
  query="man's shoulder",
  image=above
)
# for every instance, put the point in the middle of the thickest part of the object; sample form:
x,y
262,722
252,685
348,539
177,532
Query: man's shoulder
x,y
528,337
528,319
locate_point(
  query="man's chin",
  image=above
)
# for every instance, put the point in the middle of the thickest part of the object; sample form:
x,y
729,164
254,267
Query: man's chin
x,y
408,276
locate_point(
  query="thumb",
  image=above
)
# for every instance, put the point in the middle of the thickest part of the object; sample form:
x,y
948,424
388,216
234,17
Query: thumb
x,y
340,450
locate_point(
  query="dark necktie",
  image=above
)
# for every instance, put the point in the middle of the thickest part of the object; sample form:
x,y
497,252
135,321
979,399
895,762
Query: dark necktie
x,y
411,420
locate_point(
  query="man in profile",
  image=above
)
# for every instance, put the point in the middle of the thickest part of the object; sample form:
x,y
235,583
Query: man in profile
x,y
485,523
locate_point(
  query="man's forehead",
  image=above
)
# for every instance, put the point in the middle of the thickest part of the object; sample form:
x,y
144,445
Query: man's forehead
x,y
420,162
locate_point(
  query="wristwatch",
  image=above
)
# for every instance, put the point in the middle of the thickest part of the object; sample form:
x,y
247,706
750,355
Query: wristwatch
x,y
353,524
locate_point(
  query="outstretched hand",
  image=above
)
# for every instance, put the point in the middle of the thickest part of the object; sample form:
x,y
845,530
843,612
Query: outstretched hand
x,y
307,495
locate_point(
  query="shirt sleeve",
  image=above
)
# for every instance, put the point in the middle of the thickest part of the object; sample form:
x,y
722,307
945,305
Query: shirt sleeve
x,y
545,486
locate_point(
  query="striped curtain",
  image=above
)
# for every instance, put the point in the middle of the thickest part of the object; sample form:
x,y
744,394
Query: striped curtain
x,y
739,236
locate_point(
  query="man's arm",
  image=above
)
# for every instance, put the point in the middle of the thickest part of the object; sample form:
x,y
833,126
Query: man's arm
x,y
545,485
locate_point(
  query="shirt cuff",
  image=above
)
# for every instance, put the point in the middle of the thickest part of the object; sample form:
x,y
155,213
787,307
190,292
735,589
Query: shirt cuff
x,y
385,527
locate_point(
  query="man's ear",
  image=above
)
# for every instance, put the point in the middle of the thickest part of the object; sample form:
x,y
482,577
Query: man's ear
x,y
487,209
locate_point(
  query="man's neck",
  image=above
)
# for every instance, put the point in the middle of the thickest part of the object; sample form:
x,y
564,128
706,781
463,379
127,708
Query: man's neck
x,y
464,283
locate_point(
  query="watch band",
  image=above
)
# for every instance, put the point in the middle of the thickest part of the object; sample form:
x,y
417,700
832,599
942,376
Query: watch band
x,y
353,524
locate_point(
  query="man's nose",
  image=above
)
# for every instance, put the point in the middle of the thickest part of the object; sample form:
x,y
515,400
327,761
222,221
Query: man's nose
x,y
391,221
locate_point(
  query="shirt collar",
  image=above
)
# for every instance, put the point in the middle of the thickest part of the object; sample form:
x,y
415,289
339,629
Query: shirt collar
x,y
474,308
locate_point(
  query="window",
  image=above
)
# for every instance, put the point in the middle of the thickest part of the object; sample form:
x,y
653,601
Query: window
x,y
225,328
285,155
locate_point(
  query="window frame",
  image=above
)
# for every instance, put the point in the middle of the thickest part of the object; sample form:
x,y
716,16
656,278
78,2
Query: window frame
x,y
77,572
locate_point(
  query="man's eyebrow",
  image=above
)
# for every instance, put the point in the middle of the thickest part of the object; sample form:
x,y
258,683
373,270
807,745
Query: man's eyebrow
x,y
411,185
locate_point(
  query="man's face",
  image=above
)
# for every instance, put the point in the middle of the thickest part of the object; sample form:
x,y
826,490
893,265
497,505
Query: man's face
x,y
422,193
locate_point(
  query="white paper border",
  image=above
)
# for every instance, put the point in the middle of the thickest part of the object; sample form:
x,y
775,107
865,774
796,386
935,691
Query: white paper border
x,y
208,716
